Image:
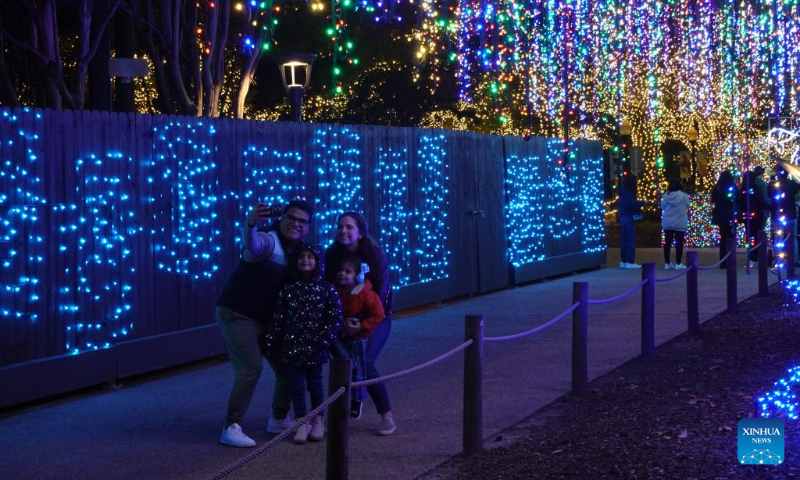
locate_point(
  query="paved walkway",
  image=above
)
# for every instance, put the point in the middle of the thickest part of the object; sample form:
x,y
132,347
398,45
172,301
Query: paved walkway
x,y
168,427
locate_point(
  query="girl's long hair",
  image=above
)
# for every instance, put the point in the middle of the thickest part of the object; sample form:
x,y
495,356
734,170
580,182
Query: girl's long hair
x,y
366,250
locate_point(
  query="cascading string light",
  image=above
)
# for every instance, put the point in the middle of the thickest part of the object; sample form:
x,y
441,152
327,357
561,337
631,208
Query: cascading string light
x,y
431,226
544,202
97,235
659,64
392,178
335,155
22,204
524,210
191,247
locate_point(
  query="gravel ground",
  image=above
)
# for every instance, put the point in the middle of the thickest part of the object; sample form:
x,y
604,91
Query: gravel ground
x,y
673,416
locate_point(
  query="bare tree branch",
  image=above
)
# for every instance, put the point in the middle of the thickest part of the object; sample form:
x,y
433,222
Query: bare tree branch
x,y
96,43
26,46
137,17
33,11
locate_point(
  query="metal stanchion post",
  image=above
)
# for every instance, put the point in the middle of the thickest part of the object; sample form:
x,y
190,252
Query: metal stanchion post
x,y
473,387
337,459
648,309
692,294
730,266
763,283
580,369
790,250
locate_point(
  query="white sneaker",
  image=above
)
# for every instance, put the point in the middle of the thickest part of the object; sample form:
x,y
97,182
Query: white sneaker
x,y
668,266
301,436
623,265
277,426
680,266
232,436
386,428
633,265
317,430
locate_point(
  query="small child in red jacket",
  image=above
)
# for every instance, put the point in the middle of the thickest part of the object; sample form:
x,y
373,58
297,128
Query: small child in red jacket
x,y
363,311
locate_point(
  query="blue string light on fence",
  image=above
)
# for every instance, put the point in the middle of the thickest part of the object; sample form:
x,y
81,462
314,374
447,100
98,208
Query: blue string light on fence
x,y
94,243
591,199
395,218
546,201
524,210
271,177
22,203
337,158
562,192
432,227
782,400
186,199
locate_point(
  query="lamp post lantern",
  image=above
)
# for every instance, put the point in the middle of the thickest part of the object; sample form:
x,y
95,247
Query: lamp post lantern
x,y
296,75
693,141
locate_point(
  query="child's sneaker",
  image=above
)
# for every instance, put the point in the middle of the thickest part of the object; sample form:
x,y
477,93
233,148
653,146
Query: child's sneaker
x,y
633,266
386,428
277,426
317,430
668,266
233,436
302,435
355,409
680,266
623,265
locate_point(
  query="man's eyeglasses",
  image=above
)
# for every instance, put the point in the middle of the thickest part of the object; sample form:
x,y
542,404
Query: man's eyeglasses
x,y
297,220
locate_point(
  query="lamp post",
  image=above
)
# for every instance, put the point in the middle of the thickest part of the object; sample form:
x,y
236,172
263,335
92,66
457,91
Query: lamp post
x,y
296,74
693,141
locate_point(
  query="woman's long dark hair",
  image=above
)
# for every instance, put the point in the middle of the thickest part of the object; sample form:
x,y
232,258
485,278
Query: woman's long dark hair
x,y
366,251
675,185
725,180
629,183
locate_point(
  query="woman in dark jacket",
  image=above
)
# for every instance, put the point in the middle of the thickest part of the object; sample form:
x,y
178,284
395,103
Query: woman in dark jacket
x,y
723,213
628,209
352,239
245,308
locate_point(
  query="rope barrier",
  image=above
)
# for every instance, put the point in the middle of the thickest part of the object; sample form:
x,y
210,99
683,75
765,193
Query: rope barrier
x,y
674,277
749,249
715,265
281,437
386,378
534,330
618,297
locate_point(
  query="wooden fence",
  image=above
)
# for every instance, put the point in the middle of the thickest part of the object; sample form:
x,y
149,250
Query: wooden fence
x,y
117,231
